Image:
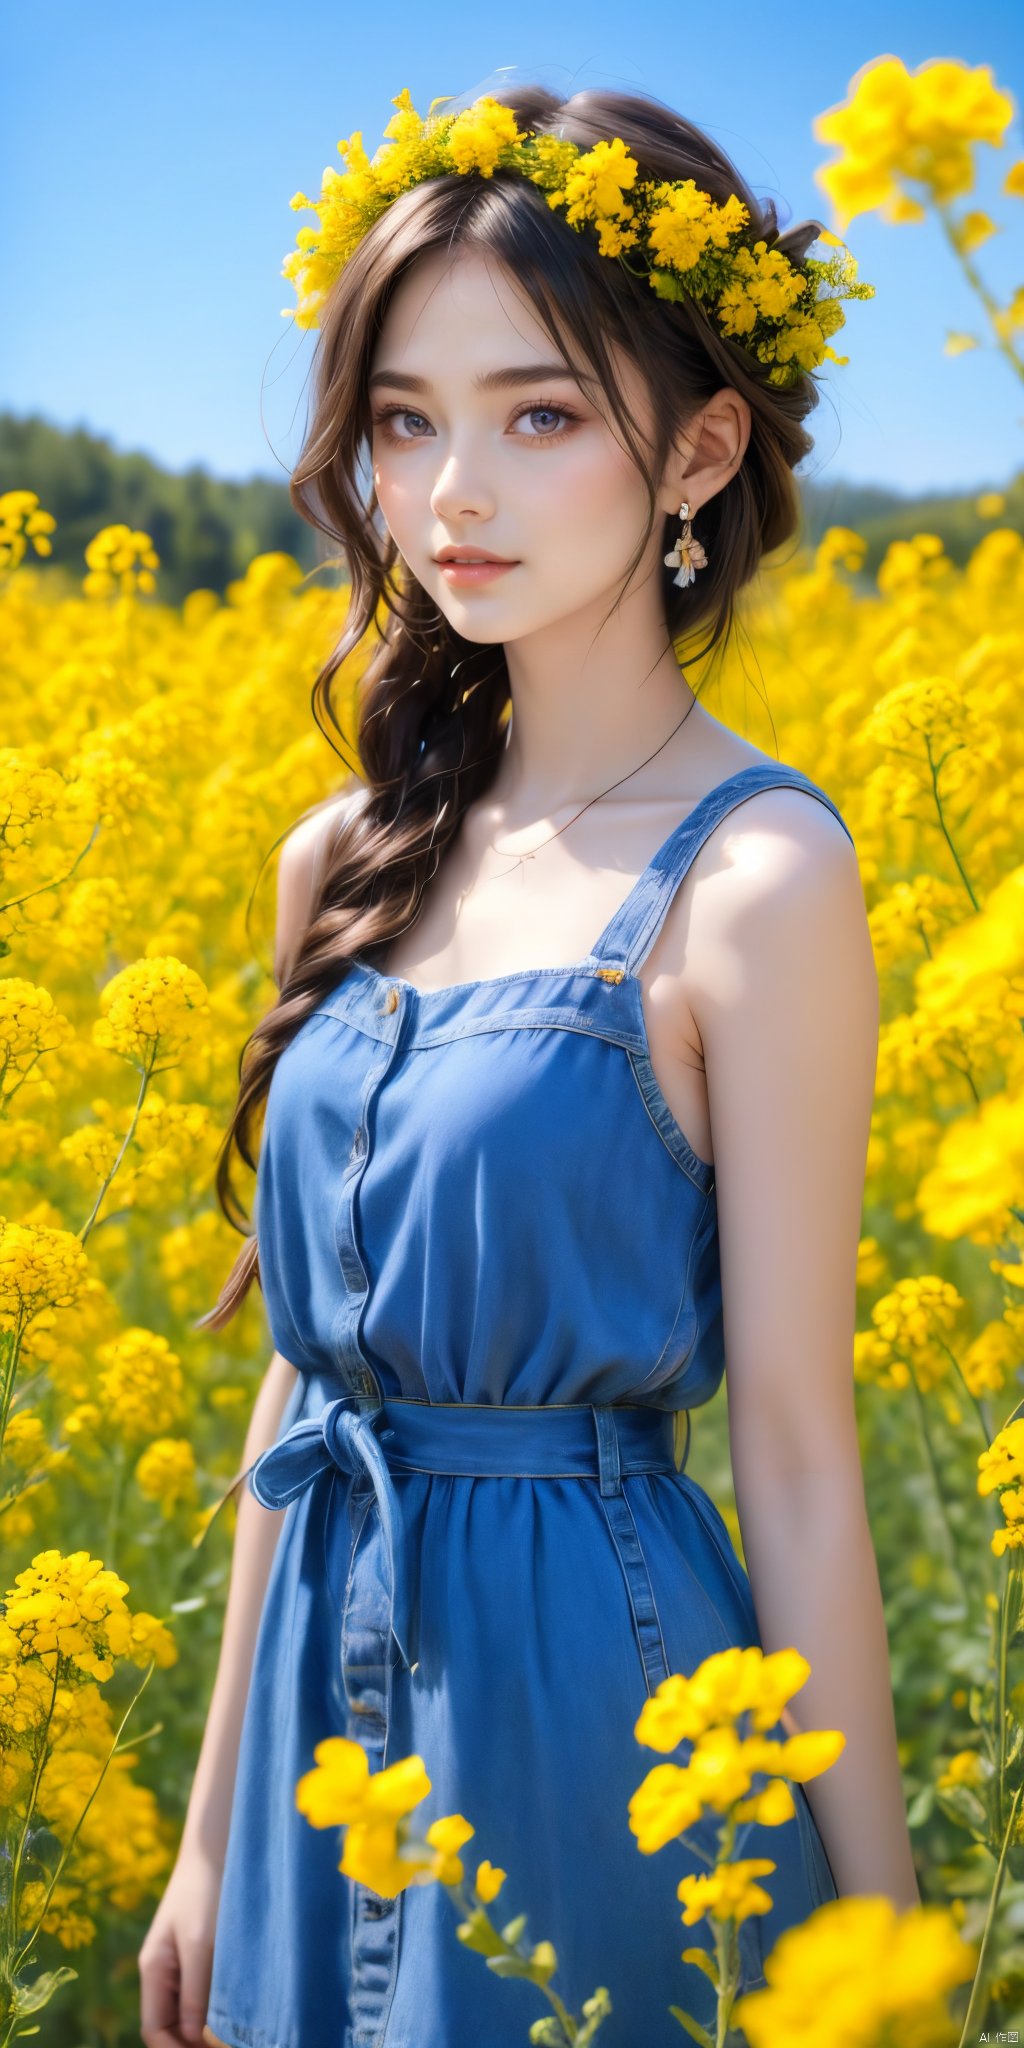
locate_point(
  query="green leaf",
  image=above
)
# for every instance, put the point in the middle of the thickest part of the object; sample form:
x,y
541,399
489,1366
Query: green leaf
x,y
543,1962
921,1806
513,1932
32,1997
477,1933
548,2032
696,2032
595,2010
510,1966
665,286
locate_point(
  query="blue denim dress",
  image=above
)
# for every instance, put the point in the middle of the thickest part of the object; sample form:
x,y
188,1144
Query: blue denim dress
x,y
493,1256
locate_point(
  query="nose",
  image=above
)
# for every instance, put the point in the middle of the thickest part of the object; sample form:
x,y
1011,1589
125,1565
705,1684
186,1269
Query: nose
x,y
461,490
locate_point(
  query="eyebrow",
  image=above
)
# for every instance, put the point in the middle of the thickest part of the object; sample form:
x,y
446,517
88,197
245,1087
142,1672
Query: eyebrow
x,y
489,380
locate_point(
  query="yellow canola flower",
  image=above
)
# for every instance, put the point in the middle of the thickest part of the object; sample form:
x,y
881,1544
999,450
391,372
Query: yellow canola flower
x,y
840,547
685,222
688,244
1011,1536
666,1804
141,1385
916,1311
446,1837
801,1757
991,943
30,1025
166,1472
33,794
990,1360
594,193
765,283
919,714
878,1974
895,125
1002,1466
965,1768
120,559
341,1791
153,1007
972,229
341,1788
729,1892
977,1177
720,1774
478,137
1003,1462
25,1440
72,1609
22,520
372,1856
767,1809
729,1683
489,1880
40,1268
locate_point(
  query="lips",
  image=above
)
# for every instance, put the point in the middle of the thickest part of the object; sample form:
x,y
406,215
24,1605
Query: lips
x,y
469,555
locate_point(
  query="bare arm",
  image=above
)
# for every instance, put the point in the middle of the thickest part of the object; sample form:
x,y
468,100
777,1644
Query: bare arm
x,y
256,1533
787,1008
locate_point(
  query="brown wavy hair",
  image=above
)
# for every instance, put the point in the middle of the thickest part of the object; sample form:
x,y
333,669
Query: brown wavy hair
x,y
433,706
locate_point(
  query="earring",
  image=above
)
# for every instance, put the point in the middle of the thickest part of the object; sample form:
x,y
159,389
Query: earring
x,y
688,555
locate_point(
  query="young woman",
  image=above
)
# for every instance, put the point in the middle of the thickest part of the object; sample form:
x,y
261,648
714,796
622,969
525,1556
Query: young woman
x,y
572,1071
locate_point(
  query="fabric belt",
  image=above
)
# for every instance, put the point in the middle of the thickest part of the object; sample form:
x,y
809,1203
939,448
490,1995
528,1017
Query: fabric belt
x,y
574,1440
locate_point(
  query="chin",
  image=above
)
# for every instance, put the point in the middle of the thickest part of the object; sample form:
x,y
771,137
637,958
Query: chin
x,y
487,624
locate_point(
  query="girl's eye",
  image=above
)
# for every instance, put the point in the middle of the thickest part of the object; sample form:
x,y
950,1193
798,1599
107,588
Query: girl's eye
x,y
542,416
547,423
389,414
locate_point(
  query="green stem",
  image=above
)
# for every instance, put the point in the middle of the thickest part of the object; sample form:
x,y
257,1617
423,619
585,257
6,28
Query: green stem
x,y
939,1490
977,283
42,1753
966,1076
983,1421
73,1837
979,1993
16,902
727,1958
146,1073
10,1351
946,833
116,1499
1012,1417
1009,1615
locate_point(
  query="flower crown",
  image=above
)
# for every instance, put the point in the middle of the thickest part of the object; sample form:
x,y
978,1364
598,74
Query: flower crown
x,y
688,246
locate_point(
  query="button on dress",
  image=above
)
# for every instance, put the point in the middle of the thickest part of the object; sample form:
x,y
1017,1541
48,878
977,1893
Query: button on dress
x,y
492,1255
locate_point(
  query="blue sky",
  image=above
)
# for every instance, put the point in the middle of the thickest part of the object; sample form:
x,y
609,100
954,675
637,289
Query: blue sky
x,y
151,154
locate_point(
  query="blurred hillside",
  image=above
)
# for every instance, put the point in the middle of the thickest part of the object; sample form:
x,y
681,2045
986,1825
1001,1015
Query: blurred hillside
x,y
206,529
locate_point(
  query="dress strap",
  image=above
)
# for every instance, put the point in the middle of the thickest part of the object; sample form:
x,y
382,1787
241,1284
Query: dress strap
x,y
628,937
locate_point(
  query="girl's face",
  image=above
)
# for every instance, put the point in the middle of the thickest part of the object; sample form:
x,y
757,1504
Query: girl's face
x,y
484,442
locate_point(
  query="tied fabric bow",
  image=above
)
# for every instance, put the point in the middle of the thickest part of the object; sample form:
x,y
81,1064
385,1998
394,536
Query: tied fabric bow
x,y
347,1442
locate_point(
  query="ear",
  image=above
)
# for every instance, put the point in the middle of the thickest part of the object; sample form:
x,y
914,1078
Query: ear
x,y
707,453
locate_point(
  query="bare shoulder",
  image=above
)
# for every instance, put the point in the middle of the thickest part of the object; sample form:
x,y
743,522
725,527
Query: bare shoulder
x,y
776,892
776,879
777,838
299,870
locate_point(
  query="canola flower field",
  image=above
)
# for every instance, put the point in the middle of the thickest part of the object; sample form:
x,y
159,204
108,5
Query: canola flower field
x,y
152,760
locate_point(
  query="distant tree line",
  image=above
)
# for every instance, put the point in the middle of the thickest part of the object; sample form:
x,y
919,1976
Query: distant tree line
x,y
206,529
